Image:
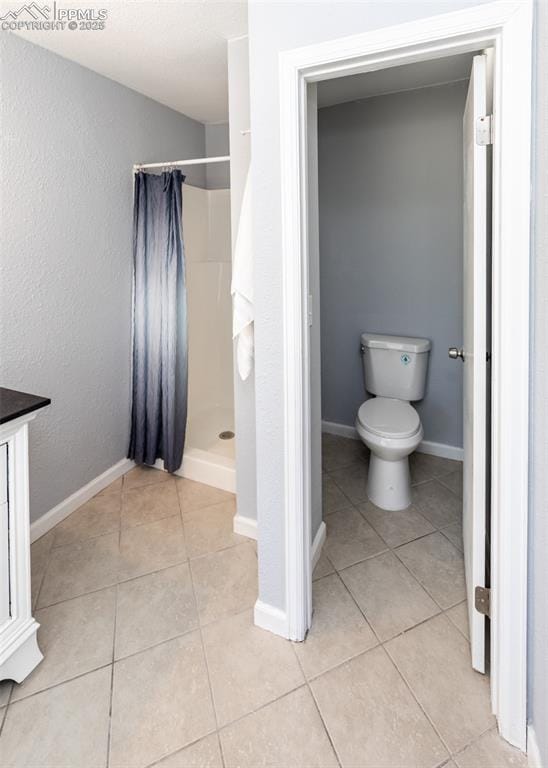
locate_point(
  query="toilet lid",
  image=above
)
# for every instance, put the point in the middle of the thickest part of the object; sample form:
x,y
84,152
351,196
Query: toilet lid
x,y
389,418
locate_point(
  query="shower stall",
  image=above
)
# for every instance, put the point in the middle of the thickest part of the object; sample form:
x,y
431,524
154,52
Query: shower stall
x,y
209,454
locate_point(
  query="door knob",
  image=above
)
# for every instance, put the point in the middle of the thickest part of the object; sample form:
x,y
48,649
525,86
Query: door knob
x,y
455,353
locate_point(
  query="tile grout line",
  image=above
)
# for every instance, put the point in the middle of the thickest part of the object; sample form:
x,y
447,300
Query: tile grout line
x,y
48,558
122,658
2,724
382,644
36,607
379,534
111,664
415,698
247,541
392,551
151,573
347,588
306,681
109,734
450,751
120,530
266,704
442,609
446,613
206,664
379,643
77,543
359,461
116,588
475,740
192,743
111,700
316,705
221,751
60,683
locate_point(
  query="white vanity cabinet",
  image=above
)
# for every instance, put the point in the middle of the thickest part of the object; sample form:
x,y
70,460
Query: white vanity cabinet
x,y
19,652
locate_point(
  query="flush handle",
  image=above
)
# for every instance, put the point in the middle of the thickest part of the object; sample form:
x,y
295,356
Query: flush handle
x,y
456,352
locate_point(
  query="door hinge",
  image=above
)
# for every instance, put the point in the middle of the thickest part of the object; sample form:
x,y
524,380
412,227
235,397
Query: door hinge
x,y
484,130
482,600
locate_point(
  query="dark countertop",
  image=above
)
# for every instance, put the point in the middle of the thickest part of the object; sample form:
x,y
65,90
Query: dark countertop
x,y
14,404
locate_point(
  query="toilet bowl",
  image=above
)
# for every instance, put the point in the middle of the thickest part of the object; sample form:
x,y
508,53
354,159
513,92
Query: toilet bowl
x,y
392,430
395,370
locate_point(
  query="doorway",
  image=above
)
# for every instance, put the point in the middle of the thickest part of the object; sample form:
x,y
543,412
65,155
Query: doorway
x,y
461,32
390,180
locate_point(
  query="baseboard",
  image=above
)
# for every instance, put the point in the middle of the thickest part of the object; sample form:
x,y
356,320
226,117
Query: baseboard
x,y
274,619
343,430
317,545
245,526
534,759
203,467
441,450
270,618
45,523
427,446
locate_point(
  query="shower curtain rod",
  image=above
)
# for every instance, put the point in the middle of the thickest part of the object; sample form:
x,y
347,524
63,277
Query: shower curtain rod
x,y
176,163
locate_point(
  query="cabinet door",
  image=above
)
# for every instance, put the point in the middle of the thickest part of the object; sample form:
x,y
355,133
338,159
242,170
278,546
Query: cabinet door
x,y
4,537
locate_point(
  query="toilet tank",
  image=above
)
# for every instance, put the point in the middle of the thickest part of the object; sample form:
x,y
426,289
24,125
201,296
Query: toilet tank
x,y
395,366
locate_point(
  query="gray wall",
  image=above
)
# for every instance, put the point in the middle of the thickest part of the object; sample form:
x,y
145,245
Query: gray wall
x,y
390,176
274,27
69,140
240,158
538,565
217,145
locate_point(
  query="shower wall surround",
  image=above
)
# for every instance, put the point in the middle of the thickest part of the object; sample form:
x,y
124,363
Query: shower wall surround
x,y
206,232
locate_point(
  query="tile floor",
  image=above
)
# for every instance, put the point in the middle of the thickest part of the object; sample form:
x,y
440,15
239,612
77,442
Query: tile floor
x,y
144,596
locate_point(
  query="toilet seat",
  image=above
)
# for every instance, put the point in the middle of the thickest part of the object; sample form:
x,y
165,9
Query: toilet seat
x,y
389,418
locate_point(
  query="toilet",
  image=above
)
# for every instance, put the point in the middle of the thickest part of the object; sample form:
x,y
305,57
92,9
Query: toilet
x,y
394,370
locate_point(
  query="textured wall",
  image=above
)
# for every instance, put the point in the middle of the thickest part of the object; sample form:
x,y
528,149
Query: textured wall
x,y
274,27
538,565
69,140
391,243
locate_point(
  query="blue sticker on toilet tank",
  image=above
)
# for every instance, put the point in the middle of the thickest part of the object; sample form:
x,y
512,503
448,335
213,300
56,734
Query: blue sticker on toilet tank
x,y
405,359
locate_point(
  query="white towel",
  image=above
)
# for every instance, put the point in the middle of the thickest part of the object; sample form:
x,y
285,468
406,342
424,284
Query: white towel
x,y
242,287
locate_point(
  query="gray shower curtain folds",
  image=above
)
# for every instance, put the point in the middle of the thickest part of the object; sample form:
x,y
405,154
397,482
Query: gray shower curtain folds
x,y
160,344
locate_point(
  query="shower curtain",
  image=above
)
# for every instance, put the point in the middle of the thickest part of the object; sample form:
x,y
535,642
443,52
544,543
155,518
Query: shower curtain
x,y
160,355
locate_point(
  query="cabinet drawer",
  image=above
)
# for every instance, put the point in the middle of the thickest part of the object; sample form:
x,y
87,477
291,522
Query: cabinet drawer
x,y
3,473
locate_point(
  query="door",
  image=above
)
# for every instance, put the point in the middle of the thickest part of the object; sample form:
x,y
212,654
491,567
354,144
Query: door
x,y
475,349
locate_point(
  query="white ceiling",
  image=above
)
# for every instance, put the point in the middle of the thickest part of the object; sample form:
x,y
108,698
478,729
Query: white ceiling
x,y
173,51
420,75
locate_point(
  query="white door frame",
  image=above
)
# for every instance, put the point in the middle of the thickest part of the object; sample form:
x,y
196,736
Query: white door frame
x,y
507,26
